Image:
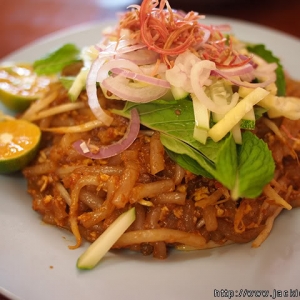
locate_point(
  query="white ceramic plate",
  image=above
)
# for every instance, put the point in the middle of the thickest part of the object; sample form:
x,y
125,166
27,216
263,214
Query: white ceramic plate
x,y
35,262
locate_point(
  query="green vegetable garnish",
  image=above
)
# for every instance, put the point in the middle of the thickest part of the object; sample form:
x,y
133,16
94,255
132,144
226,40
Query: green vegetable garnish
x,y
55,61
95,252
255,167
225,161
269,57
242,171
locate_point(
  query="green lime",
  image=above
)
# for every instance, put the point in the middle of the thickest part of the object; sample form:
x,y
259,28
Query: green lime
x,y
20,85
19,143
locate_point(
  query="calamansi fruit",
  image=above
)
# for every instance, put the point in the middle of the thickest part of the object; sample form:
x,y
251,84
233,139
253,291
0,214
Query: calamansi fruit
x,y
19,143
19,86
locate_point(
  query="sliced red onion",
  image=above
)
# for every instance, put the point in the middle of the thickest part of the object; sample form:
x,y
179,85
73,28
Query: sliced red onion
x,y
133,92
266,71
206,36
154,69
201,71
258,60
135,6
140,57
116,63
235,71
141,77
131,48
187,60
248,77
117,147
222,27
179,75
114,47
199,75
267,67
91,90
247,84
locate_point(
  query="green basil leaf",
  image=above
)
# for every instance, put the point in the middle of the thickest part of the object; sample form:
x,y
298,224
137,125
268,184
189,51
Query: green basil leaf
x,y
269,57
255,167
227,163
245,169
187,157
259,112
55,61
175,119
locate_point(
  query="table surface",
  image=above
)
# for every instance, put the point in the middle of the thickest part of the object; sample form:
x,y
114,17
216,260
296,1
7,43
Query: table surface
x,y
23,21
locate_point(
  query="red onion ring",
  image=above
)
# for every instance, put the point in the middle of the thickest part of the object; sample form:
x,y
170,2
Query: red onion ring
x,y
245,83
91,90
117,147
116,63
135,6
179,75
122,88
140,57
266,71
199,74
235,71
222,27
141,77
153,69
113,47
131,48
206,36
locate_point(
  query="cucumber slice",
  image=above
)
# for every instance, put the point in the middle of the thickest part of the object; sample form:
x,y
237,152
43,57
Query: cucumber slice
x,y
93,254
202,116
247,124
78,84
67,81
221,93
233,117
179,93
248,121
200,134
237,134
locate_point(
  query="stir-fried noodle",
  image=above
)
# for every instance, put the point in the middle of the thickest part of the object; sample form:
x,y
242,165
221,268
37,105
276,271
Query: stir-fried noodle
x,y
174,208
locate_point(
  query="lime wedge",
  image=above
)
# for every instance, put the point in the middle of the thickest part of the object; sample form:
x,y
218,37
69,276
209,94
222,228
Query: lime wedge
x,y
19,86
19,143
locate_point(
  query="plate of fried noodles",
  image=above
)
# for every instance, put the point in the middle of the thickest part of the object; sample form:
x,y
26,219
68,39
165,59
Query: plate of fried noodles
x,y
192,121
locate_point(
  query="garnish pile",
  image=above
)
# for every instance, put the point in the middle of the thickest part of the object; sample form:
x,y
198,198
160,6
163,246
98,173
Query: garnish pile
x,y
198,85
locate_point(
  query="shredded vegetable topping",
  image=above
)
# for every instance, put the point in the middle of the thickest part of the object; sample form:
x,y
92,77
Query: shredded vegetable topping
x,y
154,36
170,33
